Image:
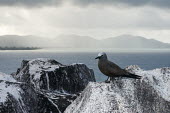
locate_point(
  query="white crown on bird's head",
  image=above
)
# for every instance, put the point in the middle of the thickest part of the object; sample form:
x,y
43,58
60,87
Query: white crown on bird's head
x,y
101,55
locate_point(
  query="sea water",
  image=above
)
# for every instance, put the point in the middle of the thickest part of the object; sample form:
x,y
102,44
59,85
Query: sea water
x,y
11,60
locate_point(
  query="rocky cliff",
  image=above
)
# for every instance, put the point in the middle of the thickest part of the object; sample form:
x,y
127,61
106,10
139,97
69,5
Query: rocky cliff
x,y
47,86
151,94
42,86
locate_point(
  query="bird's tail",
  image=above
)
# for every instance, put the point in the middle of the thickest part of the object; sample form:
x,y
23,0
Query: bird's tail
x,y
130,75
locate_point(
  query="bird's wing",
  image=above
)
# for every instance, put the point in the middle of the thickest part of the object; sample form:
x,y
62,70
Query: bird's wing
x,y
115,69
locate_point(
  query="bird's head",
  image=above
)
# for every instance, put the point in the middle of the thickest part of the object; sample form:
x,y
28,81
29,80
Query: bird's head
x,y
101,56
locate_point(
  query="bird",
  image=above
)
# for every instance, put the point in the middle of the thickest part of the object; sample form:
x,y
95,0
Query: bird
x,y
111,69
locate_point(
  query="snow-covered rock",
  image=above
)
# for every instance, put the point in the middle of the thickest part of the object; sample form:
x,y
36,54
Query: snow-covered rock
x,y
151,94
53,85
12,96
51,75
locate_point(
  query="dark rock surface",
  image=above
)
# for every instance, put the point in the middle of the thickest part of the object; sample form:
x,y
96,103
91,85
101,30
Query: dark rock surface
x,y
51,75
148,95
47,86
43,86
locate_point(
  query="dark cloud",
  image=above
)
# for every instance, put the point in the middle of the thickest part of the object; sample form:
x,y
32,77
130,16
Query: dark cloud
x,y
157,3
30,3
39,3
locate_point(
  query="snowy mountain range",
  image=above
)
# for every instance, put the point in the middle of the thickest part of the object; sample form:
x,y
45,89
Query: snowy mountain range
x,y
76,41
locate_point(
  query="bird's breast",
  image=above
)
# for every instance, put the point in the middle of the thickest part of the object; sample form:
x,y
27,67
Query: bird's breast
x,y
104,68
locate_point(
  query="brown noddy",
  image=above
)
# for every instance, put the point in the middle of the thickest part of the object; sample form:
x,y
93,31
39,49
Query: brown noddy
x,y
112,70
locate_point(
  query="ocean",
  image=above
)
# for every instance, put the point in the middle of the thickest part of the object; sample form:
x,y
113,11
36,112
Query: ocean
x,y
145,59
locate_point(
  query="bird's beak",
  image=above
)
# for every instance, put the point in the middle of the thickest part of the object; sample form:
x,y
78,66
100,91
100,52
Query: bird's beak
x,y
97,57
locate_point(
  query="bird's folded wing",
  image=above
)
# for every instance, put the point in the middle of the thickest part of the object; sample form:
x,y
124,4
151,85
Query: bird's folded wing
x,y
115,69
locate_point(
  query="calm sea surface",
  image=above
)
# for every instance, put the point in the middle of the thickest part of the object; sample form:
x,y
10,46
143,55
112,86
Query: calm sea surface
x,y
11,60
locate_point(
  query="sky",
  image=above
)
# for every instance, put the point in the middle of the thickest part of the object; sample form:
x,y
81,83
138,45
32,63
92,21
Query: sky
x,y
96,18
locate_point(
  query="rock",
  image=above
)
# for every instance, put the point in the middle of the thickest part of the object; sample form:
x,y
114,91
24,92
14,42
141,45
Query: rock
x,y
43,86
51,75
151,94
13,97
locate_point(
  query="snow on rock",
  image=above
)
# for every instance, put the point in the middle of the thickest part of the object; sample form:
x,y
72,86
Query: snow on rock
x,y
55,85
125,95
159,79
11,95
36,66
6,77
6,89
49,74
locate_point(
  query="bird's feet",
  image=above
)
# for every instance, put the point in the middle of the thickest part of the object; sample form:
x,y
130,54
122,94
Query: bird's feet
x,y
107,81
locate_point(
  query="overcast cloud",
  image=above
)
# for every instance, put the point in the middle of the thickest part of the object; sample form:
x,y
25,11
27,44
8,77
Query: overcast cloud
x,y
30,3
38,3
135,3
96,18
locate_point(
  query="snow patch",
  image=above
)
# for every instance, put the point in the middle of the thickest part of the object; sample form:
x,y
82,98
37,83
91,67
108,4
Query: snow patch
x,y
9,88
39,65
159,79
36,66
6,77
77,64
98,97
121,95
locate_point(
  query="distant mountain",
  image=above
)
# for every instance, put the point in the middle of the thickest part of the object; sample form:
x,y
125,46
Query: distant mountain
x,y
23,41
129,41
76,41
123,41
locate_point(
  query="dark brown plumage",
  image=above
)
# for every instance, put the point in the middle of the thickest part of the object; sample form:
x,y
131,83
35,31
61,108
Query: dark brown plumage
x,y
110,69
